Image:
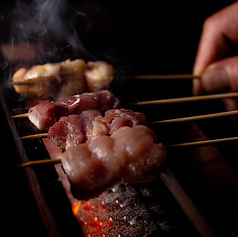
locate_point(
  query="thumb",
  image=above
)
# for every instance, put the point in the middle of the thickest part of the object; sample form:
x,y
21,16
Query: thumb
x,y
221,76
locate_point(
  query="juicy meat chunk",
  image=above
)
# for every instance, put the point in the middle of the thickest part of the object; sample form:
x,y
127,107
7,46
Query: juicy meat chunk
x,y
51,80
123,117
75,129
142,155
130,154
98,75
59,80
45,115
73,81
88,174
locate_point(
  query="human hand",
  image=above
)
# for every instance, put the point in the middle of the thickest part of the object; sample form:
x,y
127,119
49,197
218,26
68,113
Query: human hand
x,y
218,72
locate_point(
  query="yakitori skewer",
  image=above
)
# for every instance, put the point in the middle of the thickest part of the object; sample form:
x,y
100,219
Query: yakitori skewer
x,y
69,77
176,120
164,77
137,77
170,101
181,145
187,99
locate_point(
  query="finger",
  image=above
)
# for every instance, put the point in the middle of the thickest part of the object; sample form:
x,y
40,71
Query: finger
x,y
219,31
221,76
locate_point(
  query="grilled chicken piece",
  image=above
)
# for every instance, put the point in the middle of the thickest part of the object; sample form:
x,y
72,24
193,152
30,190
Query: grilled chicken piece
x,y
59,80
130,154
98,75
44,115
75,129
50,80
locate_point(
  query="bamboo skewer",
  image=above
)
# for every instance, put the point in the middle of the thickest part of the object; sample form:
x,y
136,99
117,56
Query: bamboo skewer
x,y
204,143
187,99
34,136
180,145
40,162
25,115
164,77
20,83
196,118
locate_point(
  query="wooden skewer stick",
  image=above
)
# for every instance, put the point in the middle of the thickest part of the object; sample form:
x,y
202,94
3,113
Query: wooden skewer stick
x,y
40,162
162,77
204,143
154,77
20,83
187,99
185,145
34,136
195,118
20,115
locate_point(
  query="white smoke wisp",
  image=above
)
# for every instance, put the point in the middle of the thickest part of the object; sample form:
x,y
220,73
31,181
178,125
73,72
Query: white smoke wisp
x,y
49,24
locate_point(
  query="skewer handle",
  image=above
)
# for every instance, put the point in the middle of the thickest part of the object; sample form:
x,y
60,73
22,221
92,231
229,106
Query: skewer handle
x,y
20,83
187,99
164,77
204,143
196,118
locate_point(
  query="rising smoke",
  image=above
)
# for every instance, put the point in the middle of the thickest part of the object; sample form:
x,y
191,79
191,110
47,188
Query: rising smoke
x,y
49,24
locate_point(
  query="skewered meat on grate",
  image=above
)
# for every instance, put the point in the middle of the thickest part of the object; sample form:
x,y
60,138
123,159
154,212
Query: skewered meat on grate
x,y
45,115
130,154
75,129
59,80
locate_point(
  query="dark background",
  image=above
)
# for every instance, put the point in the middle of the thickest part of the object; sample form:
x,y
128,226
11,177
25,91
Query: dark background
x,y
137,37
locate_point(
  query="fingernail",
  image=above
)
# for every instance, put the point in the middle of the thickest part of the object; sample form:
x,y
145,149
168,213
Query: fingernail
x,y
215,80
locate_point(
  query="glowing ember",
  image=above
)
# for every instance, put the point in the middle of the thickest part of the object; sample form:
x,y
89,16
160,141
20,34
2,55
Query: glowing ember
x,y
93,217
87,206
75,207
